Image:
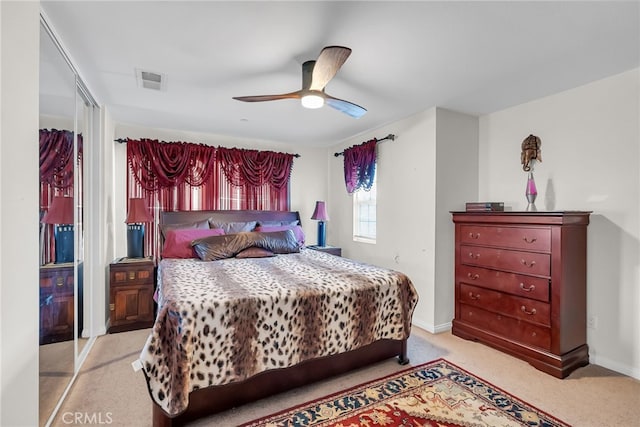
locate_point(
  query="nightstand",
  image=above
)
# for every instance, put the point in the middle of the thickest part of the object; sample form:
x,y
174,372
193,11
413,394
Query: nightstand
x,y
56,302
132,284
333,250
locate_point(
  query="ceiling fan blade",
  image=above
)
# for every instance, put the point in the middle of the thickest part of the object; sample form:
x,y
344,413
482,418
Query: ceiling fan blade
x,y
346,107
327,65
259,98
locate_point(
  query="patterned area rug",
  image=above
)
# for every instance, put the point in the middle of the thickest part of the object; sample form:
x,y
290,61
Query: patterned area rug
x,y
437,393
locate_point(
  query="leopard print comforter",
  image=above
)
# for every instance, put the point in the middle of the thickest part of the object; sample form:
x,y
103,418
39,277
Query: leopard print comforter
x,y
227,320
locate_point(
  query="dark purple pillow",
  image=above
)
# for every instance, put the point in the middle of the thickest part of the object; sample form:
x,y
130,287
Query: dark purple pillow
x,y
229,245
255,252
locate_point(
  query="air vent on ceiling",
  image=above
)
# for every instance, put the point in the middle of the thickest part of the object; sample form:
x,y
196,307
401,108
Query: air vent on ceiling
x,y
150,80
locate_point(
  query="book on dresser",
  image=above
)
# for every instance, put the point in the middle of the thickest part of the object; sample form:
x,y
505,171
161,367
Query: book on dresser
x,y
484,206
520,285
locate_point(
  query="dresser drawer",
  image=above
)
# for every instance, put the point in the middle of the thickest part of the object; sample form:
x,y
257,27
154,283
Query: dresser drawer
x,y
56,281
531,238
516,284
508,327
505,259
131,275
521,308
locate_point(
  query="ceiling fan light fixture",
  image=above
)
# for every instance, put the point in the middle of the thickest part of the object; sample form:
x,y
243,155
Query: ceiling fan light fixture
x,y
312,101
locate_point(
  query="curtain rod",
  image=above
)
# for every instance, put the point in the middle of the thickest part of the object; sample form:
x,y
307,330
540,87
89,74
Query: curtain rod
x,y
390,136
123,140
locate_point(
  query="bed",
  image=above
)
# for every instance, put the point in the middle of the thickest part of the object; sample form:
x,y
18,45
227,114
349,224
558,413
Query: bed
x,y
232,329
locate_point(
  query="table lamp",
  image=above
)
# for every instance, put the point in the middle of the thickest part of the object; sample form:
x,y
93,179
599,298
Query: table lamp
x,y
137,215
60,214
320,214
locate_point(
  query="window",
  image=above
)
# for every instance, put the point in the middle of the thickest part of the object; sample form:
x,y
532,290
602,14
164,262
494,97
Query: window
x,y
364,215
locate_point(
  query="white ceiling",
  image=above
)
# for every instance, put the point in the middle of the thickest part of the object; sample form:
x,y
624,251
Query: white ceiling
x,y
474,57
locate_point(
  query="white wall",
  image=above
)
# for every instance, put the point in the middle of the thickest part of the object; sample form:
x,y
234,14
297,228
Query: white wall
x,y
19,313
456,179
590,151
429,170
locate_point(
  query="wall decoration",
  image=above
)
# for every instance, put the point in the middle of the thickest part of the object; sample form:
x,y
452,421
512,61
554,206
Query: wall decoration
x,y
531,153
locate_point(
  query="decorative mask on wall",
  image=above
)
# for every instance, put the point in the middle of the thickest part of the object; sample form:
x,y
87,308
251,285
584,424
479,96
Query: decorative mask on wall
x,y
531,150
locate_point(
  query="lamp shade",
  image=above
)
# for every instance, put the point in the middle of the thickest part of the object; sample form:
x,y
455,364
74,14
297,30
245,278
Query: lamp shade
x,y
320,213
60,211
138,212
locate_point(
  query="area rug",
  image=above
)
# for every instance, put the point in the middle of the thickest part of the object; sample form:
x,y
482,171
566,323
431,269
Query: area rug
x,y
437,393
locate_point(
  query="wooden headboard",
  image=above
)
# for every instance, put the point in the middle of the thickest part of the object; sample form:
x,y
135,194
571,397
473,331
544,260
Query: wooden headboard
x,y
178,217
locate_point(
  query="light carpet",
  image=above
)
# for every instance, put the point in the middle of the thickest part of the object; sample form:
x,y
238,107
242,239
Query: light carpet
x,y
590,396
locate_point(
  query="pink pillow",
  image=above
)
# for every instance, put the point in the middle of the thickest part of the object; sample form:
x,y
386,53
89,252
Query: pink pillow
x,y
177,243
297,230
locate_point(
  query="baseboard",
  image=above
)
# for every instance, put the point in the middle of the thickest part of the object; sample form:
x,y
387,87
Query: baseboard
x,y
434,329
445,327
614,365
624,369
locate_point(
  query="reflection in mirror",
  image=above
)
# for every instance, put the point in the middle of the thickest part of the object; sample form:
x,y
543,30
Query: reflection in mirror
x,y
57,267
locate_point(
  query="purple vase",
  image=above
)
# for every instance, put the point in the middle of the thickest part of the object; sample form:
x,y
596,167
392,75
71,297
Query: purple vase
x,y
531,193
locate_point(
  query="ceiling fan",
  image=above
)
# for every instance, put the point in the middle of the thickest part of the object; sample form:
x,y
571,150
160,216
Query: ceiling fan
x,y
315,76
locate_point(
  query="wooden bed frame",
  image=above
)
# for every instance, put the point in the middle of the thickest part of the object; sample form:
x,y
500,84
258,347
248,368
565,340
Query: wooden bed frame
x,y
216,399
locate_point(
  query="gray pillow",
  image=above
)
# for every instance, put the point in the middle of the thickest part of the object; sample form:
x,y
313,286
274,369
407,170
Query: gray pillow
x,y
186,225
233,227
276,223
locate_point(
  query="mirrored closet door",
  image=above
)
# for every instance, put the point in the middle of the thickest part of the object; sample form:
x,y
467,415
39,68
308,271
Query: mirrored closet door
x,y
66,127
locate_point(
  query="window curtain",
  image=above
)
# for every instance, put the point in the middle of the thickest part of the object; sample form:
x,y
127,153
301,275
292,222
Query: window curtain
x,y
360,166
173,176
263,176
56,179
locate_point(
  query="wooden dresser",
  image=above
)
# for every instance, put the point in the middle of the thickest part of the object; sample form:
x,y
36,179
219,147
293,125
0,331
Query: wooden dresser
x,y
132,284
520,285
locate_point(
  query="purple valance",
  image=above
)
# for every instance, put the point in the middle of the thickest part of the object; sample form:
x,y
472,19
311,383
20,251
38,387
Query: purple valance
x,y
360,166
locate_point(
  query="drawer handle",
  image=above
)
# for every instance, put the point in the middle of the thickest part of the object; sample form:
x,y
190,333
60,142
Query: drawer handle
x,y
529,240
527,263
476,296
529,289
474,235
59,281
473,276
474,256
530,313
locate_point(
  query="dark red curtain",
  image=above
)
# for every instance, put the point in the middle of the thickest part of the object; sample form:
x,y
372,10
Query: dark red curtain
x,y
56,158
56,179
174,176
360,166
157,165
263,176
